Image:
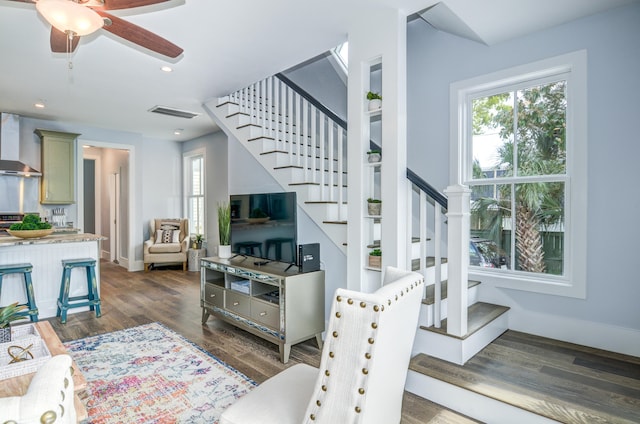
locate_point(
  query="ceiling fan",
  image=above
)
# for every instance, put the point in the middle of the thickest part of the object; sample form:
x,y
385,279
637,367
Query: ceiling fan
x,y
91,15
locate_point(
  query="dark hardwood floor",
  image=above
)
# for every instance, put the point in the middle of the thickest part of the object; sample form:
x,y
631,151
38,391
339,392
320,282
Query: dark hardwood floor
x,y
172,297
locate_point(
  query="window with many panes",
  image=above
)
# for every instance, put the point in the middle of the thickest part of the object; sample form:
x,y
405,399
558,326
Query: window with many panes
x,y
521,150
194,191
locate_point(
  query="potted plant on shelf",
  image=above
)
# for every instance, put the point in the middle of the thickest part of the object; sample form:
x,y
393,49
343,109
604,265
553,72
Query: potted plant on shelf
x,y
7,315
375,100
224,230
374,156
375,258
374,206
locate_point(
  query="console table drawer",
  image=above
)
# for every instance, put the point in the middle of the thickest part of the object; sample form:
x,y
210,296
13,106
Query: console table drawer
x,y
237,303
214,295
266,314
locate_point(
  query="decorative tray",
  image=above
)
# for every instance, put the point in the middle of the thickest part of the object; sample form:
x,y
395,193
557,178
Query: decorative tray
x,y
23,337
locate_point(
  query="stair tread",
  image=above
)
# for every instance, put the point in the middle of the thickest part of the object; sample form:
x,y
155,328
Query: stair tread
x,y
479,315
430,296
415,263
554,379
323,202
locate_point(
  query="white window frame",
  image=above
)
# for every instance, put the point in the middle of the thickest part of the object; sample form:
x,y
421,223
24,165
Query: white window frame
x,y
573,67
187,157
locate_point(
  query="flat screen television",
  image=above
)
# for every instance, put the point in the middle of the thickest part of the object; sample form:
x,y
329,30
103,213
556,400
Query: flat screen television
x,y
264,226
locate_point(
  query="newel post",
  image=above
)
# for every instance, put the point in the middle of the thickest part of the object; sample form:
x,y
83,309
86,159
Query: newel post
x,y
458,217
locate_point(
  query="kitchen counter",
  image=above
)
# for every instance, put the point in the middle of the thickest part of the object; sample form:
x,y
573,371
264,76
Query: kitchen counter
x,y
51,239
46,255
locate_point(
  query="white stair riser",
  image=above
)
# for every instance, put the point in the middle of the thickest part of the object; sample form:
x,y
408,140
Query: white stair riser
x,y
455,350
298,174
326,212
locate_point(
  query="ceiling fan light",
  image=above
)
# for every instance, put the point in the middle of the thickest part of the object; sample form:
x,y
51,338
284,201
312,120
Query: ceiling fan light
x,y
67,16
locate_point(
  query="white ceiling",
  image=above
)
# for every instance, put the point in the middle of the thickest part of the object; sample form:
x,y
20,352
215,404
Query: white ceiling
x,y
227,45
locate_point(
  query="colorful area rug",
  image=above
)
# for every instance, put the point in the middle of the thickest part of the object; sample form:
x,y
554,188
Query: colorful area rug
x,y
150,374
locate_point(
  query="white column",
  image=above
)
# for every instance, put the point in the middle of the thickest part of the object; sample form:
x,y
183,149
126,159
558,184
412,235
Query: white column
x,y
379,36
458,217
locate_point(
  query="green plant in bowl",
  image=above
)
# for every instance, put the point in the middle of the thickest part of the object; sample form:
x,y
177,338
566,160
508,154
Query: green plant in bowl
x,y
11,313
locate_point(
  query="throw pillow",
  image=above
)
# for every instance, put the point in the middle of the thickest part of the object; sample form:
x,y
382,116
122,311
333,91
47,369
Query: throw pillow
x,y
168,236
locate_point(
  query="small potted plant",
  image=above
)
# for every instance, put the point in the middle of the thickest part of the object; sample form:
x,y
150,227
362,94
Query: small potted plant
x,y
7,315
375,258
374,206
198,239
374,156
224,230
375,100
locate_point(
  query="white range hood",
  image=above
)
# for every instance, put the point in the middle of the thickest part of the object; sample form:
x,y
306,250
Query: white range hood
x,y
10,148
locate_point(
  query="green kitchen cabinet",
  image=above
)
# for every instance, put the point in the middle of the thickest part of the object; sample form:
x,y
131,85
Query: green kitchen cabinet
x,y
57,184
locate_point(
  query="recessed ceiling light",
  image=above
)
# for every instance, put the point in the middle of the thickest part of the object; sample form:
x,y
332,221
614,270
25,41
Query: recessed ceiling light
x,y
39,104
178,131
167,68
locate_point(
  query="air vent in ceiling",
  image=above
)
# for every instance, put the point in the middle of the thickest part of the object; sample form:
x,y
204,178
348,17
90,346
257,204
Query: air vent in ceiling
x,y
173,112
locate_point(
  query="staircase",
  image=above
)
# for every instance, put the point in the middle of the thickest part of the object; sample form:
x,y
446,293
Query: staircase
x,y
298,143
303,146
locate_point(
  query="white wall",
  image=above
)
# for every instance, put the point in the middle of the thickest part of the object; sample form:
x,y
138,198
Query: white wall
x,y
611,39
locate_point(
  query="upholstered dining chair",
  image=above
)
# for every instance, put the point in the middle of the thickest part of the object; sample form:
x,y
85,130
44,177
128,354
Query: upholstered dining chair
x,y
363,367
49,398
168,243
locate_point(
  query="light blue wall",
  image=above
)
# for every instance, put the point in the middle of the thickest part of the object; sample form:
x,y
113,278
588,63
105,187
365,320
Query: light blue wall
x,y
216,180
155,171
612,41
319,78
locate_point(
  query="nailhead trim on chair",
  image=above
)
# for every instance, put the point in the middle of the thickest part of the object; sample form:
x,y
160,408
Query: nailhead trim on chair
x,y
367,355
48,417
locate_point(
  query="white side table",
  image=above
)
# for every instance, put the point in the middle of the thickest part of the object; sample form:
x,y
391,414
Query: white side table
x,y
194,258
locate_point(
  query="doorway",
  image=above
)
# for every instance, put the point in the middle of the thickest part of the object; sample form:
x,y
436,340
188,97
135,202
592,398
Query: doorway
x,y
92,193
105,198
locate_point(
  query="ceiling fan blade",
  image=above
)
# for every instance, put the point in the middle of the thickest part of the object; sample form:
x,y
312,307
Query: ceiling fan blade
x,y
140,36
59,41
126,4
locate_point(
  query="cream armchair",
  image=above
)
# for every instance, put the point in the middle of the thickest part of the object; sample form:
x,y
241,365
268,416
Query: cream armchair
x,y
168,243
363,367
49,398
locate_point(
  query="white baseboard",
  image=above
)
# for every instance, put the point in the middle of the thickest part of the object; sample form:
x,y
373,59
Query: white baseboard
x,y
469,403
582,332
136,266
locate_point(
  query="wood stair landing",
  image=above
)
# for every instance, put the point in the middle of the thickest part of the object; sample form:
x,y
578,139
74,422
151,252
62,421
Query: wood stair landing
x,y
557,380
479,315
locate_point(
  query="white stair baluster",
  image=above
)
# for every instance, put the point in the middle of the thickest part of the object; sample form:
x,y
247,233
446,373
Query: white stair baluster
x,y
330,163
437,225
298,129
323,119
313,143
340,167
275,111
290,117
305,137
